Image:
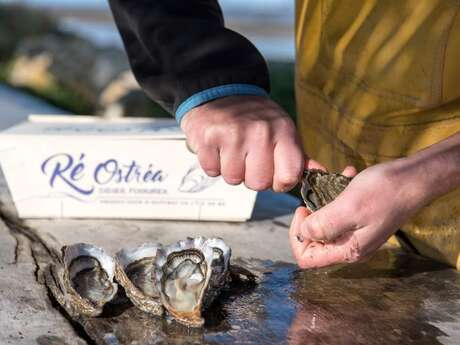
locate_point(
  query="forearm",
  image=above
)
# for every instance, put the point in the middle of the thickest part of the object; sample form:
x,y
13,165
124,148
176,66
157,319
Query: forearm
x,y
436,169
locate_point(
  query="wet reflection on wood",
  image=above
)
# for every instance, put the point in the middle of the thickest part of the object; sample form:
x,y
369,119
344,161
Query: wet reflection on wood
x,y
392,299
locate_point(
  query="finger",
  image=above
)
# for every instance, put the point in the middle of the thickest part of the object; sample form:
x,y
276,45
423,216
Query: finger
x,y
232,165
352,247
209,160
329,222
288,165
312,164
259,169
300,214
349,171
370,239
189,147
297,246
317,254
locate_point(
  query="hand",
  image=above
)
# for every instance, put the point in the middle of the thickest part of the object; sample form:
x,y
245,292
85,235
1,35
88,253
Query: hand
x,y
246,139
373,206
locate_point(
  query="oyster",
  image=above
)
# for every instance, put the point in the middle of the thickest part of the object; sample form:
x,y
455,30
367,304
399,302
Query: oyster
x,y
220,276
183,278
135,271
85,281
320,188
186,271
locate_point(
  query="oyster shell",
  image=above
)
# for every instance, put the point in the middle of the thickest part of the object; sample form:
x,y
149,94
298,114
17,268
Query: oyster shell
x,y
183,278
135,271
320,188
220,266
183,274
86,280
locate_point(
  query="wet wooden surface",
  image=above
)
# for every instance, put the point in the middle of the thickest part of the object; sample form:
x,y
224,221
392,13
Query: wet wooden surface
x,y
395,298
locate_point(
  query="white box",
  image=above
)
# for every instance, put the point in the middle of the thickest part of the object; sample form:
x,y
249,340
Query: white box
x,y
87,167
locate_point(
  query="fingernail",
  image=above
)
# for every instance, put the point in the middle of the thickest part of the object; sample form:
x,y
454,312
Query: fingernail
x,y
233,181
212,173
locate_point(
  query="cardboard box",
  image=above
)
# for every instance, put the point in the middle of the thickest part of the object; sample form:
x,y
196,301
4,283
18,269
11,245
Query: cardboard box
x,y
87,167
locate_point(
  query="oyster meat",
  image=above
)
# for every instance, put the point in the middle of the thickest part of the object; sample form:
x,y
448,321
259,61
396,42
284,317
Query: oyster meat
x,y
135,271
86,280
320,188
186,271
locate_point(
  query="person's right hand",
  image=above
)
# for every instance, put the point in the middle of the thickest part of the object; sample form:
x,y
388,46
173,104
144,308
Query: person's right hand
x,y
248,139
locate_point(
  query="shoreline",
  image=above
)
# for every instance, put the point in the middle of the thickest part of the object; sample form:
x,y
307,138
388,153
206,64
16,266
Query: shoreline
x,y
245,24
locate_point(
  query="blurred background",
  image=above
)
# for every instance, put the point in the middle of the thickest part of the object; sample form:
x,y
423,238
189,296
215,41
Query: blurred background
x,y
69,54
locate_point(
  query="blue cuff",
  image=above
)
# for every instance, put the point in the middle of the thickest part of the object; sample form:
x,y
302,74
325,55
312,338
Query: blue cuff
x,y
217,92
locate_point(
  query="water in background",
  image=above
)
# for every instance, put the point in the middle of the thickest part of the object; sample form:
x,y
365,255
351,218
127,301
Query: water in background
x,y
267,23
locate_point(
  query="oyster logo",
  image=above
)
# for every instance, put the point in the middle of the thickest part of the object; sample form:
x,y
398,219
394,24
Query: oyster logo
x,y
195,180
74,173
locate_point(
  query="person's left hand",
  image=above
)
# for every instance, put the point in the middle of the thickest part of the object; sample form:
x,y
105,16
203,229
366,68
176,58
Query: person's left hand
x,y
373,206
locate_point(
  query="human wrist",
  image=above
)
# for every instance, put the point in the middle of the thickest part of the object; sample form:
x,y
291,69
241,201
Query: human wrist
x,y
432,172
410,180
215,93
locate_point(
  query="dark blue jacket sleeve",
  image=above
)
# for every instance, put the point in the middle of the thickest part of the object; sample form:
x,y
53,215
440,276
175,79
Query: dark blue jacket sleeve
x,y
178,48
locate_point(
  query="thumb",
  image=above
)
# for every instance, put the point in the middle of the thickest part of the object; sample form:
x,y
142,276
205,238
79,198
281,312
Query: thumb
x,y
312,164
328,223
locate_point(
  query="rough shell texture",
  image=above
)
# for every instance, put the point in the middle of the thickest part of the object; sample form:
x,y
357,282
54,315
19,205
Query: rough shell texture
x,y
220,269
183,274
183,278
86,279
135,271
320,188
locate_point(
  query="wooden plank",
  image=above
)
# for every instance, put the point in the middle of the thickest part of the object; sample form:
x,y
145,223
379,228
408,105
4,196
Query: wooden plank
x,y
26,313
394,298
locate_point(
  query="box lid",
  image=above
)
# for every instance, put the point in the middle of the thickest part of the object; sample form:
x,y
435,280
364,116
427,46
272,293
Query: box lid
x,y
65,126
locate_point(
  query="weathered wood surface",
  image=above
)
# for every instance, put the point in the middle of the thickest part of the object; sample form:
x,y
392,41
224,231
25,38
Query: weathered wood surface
x,y
26,313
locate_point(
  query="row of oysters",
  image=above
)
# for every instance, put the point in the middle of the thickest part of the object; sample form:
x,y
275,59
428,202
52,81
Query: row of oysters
x,y
181,279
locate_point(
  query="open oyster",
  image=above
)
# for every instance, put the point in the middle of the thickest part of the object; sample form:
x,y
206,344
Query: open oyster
x,y
186,271
135,271
183,278
85,282
320,188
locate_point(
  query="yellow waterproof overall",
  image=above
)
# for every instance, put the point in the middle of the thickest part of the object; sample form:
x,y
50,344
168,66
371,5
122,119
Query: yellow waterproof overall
x,y
377,80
